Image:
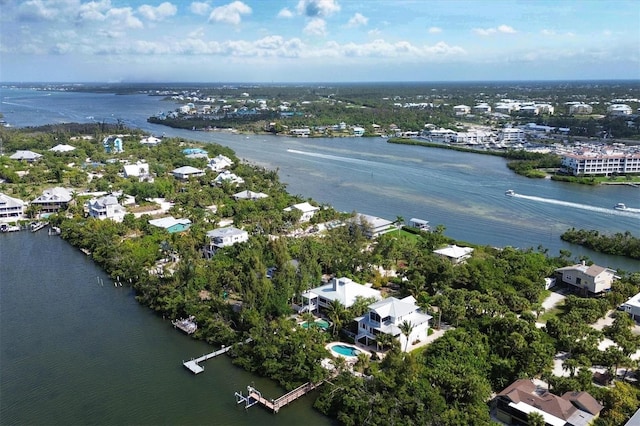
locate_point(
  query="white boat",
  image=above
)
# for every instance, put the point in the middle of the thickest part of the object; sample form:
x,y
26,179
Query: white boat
x,y
9,228
620,206
510,193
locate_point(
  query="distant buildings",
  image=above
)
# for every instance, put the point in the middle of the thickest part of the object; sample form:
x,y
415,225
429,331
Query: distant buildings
x,y
28,156
580,109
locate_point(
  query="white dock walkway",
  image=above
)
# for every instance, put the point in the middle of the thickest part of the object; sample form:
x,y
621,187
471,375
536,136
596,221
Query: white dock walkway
x,y
194,364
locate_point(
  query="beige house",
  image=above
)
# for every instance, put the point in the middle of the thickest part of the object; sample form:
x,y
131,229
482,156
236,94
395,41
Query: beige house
x,y
589,279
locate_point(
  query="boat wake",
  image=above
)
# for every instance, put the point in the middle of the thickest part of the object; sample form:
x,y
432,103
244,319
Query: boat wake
x,y
628,212
333,157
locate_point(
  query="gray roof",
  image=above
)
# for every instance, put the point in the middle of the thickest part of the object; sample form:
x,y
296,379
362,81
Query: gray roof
x,y
25,155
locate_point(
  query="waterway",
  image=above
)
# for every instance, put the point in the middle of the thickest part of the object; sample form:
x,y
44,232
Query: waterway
x,y
75,350
463,192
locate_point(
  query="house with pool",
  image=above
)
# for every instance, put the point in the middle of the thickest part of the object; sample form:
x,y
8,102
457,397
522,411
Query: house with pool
x,y
344,290
386,316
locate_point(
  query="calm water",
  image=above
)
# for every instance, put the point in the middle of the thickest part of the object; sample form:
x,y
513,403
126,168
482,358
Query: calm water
x,y
74,351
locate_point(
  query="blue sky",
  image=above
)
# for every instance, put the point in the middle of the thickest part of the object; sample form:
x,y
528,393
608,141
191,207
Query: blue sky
x,y
318,40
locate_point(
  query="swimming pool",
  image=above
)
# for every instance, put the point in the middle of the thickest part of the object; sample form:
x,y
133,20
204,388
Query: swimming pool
x,y
345,350
323,324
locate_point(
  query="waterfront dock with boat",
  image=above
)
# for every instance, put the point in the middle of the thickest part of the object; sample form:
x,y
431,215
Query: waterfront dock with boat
x,y
274,405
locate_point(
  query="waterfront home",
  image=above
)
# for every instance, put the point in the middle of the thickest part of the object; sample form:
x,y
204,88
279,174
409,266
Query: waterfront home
x,y
588,279
62,148
11,209
344,290
227,176
358,131
52,200
373,226
219,163
224,237
171,224
632,307
24,155
138,170
387,316
420,224
249,195
454,253
306,209
106,207
113,144
522,397
186,172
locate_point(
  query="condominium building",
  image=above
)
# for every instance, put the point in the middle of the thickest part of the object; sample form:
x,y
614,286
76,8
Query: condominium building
x,y
594,163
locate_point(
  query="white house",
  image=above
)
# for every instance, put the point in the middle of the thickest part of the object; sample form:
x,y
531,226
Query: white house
x,y
511,135
62,148
249,195
11,209
186,172
455,253
139,170
106,207
150,141
358,131
227,176
580,109
591,279
462,109
482,109
373,225
632,307
224,237
344,290
28,156
387,315
53,199
171,224
307,210
619,109
219,163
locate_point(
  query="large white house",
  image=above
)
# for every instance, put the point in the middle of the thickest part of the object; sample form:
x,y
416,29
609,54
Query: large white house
x,y
106,207
632,307
386,317
249,195
374,226
454,253
24,155
344,290
591,279
11,209
227,176
186,172
138,170
219,163
52,200
307,210
224,237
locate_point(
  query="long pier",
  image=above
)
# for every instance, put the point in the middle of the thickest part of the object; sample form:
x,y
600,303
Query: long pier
x,y
194,364
255,397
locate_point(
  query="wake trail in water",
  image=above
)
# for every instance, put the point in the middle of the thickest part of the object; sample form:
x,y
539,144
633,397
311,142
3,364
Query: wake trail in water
x,y
334,157
628,212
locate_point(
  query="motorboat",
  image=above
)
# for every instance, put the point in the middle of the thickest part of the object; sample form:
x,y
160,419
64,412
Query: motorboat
x,y
510,193
620,206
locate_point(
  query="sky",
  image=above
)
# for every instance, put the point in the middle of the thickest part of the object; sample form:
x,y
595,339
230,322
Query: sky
x,y
288,41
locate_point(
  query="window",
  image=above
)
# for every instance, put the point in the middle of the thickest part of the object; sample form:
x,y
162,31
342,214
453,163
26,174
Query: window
x,y
373,316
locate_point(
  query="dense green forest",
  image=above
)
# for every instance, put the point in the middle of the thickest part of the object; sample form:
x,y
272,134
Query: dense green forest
x,y
619,244
497,330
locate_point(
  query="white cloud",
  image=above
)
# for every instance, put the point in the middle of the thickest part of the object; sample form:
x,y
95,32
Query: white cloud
x,y
318,8
505,29
374,32
357,20
285,13
434,30
317,27
200,8
123,16
94,10
37,10
158,13
230,13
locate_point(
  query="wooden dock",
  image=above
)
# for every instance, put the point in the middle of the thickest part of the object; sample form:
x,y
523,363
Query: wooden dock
x,y
194,364
255,397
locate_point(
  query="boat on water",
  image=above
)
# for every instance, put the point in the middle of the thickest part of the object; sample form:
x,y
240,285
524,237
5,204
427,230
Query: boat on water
x,y
620,206
36,226
9,228
509,193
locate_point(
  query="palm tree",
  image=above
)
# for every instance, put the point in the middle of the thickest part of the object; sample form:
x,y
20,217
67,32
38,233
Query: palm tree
x,y
399,222
535,419
406,328
362,364
336,312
